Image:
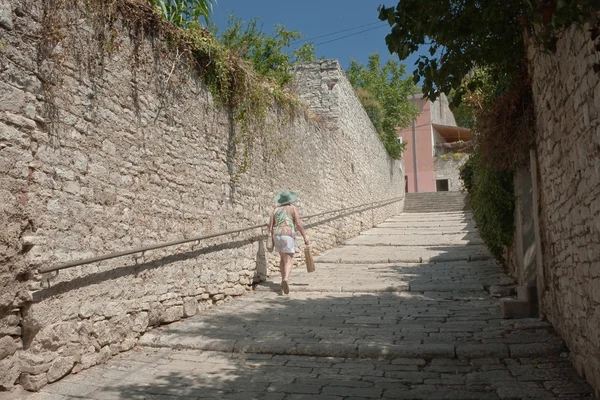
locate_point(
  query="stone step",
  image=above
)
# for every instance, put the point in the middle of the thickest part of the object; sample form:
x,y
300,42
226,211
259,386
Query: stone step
x,y
426,351
435,201
404,254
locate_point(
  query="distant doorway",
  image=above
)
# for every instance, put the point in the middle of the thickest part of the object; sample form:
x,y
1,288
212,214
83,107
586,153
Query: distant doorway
x,y
441,185
405,183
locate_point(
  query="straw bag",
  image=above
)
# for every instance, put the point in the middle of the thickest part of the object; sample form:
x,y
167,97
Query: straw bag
x,y
270,244
308,258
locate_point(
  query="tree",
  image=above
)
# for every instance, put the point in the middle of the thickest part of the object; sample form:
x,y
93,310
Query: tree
x,y
476,92
464,35
384,91
185,13
267,53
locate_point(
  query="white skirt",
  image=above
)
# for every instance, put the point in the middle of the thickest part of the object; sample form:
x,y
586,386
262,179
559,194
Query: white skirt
x,y
284,244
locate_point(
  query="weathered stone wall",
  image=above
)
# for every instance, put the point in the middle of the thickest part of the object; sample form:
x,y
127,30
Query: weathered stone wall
x,y
102,151
567,105
449,169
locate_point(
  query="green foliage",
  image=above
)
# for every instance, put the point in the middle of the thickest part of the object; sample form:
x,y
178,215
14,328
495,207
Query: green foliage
x,y
372,107
485,34
384,94
491,194
453,156
267,53
184,13
236,84
476,91
462,35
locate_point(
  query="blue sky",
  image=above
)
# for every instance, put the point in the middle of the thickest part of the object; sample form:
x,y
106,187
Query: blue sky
x,y
320,17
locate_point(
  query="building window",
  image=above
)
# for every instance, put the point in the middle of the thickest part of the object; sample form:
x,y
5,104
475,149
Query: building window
x,y
441,185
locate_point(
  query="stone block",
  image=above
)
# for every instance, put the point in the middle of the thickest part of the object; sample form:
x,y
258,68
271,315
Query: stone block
x,y
89,359
173,314
8,346
515,308
156,313
527,293
190,306
545,349
33,383
218,297
112,309
115,348
496,350
140,322
419,351
33,364
501,291
54,336
9,372
87,310
59,368
127,344
102,332
237,290
104,355
6,18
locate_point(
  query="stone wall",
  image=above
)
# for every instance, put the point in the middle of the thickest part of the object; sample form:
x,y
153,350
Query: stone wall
x,y
441,113
102,151
449,168
567,105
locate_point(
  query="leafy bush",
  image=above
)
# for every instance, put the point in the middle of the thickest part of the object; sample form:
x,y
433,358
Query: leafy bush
x,y
184,13
267,53
491,193
384,90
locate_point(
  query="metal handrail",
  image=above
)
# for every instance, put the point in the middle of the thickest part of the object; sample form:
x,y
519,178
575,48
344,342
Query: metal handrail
x,y
70,264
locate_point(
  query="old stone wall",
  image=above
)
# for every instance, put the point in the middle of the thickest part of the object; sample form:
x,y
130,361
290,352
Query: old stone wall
x,y
447,167
107,146
566,91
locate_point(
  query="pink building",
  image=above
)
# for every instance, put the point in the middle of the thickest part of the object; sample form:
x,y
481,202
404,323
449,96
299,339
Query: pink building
x,y
424,170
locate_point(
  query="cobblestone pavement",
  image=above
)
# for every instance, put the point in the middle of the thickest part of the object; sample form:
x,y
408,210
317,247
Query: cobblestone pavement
x,y
407,310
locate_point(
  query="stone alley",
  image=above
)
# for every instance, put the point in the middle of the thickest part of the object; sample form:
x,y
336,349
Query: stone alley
x,y
407,310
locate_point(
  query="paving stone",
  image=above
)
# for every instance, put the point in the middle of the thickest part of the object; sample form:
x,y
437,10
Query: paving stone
x,y
351,330
520,391
371,393
295,388
535,349
482,350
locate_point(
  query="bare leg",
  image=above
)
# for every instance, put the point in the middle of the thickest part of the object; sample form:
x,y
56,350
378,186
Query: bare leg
x,y
287,268
282,265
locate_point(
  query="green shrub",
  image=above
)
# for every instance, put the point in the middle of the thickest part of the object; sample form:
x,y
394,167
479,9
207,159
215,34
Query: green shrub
x,y
184,13
492,199
268,54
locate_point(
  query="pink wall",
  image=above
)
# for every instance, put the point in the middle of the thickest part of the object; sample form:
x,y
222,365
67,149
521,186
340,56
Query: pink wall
x,y
424,149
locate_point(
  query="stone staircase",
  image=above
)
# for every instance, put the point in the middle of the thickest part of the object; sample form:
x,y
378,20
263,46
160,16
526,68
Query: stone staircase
x,y
436,202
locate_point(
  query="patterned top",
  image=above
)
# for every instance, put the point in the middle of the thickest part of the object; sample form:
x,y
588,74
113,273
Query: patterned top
x,y
284,222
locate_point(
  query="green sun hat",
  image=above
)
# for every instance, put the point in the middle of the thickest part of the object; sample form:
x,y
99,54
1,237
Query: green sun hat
x,y
286,197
